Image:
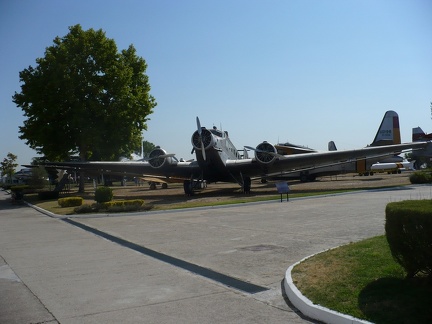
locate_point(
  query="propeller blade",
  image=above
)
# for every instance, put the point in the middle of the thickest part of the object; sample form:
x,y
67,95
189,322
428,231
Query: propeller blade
x,y
198,126
199,133
203,150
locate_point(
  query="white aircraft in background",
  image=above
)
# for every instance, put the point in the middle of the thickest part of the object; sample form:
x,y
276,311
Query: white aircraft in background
x,y
218,160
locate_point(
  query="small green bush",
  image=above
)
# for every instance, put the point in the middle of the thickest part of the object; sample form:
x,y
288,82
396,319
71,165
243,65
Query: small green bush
x,y
85,209
419,177
19,188
123,203
409,234
70,201
103,194
117,206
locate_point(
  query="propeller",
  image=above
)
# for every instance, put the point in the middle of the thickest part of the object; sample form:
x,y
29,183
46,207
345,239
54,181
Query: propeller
x,y
262,151
200,137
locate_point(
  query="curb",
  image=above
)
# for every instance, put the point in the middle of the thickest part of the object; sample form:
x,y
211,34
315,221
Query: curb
x,y
311,310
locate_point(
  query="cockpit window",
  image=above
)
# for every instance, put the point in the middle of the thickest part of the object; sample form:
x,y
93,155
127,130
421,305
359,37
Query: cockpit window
x,y
216,132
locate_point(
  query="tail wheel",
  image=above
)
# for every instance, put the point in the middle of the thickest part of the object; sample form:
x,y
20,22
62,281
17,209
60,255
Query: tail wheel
x,y
187,187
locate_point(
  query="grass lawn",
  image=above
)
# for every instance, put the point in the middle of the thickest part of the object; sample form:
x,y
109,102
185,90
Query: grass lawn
x,y
362,279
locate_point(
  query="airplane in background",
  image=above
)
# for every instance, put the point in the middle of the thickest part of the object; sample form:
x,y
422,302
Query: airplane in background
x,y
218,160
388,134
423,156
419,135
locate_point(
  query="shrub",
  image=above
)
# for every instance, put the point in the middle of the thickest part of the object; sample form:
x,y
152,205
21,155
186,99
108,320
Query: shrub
x,y
103,194
420,177
70,201
19,188
409,233
123,205
46,195
84,209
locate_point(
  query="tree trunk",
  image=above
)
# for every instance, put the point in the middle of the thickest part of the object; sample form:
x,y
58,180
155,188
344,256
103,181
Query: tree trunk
x,y
81,188
83,158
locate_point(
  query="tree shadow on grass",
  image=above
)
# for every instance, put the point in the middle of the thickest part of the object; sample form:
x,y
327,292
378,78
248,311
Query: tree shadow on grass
x,y
395,300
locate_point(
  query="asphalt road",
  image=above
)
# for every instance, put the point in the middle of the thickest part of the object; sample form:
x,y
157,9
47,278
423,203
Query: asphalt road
x,y
204,265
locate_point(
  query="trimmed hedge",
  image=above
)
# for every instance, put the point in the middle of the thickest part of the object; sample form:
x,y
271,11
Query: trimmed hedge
x,y
123,203
103,194
113,206
419,177
70,201
409,233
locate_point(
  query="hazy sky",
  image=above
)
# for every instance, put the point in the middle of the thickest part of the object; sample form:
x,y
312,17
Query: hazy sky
x,y
301,71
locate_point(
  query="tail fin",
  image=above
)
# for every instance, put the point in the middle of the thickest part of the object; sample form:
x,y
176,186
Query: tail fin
x,y
418,134
332,146
389,131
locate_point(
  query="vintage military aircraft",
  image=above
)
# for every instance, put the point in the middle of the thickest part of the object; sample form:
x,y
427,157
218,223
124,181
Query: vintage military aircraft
x,y
218,160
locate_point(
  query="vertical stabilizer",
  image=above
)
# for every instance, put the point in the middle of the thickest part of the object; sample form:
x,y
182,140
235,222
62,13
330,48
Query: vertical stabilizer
x,y
332,146
389,131
418,134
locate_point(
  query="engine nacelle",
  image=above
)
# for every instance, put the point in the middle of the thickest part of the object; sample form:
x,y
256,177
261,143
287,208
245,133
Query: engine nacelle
x,y
265,153
206,138
158,158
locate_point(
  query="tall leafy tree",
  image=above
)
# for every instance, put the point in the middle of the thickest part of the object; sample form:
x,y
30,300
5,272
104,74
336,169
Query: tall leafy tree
x,y
84,97
8,165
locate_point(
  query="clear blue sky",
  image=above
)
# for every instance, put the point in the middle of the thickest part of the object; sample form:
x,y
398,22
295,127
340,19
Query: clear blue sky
x,y
304,71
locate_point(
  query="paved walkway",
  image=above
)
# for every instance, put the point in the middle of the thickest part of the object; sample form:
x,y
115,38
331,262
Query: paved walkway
x,y
205,265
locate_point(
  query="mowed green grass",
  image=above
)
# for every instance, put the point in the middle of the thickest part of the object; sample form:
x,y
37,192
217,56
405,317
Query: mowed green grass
x,y
362,279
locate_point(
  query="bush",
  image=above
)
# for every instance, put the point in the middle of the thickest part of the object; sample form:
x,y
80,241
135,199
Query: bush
x,y
103,194
122,205
47,195
409,233
19,188
419,177
113,207
84,209
70,201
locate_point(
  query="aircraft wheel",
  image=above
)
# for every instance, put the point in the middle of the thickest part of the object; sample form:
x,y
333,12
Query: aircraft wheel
x,y
246,185
187,187
304,178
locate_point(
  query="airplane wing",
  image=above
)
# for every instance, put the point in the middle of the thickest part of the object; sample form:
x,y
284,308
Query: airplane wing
x,y
217,160
264,163
295,162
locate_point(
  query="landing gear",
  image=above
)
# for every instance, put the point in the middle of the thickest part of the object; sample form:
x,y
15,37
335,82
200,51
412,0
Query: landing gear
x,y
187,187
306,177
246,185
190,185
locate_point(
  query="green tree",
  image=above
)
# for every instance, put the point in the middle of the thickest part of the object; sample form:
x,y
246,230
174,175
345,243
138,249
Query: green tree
x,y
8,165
147,148
84,97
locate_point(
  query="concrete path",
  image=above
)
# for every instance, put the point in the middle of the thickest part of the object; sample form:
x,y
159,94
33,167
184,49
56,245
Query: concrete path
x,y
205,265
